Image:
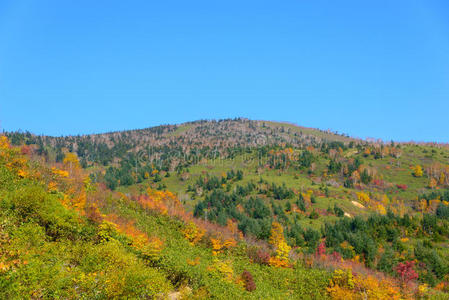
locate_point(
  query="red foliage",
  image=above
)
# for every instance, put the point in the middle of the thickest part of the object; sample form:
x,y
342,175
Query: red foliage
x,y
335,256
248,279
320,250
26,150
406,271
402,186
259,256
378,182
93,213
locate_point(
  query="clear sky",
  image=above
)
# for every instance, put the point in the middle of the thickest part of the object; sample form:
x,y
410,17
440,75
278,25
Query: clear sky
x,y
367,68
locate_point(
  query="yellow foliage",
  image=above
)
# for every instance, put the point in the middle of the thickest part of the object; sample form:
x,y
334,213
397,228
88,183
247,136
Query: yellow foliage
x,y
278,241
442,179
277,234
344,285
417,171
107,230
193,233
4,267
151,249
223,269
363,197
71,160
4,142
423,205
216,246
381,209
59,172
341,285
283,251
422,289
372,288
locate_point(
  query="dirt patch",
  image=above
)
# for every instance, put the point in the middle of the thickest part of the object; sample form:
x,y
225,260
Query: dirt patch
x,y
359,205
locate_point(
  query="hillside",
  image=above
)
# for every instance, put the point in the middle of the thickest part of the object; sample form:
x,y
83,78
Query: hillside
x,y
64,237
300,205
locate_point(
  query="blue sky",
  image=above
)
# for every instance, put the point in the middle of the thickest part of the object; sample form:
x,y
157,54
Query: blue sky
x,y
366,68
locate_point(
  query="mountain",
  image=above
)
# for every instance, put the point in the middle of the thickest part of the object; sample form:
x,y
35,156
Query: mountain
x,y
201,136
265,197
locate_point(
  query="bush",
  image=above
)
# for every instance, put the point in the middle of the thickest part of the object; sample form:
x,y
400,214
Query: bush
x,y
258,255
248,280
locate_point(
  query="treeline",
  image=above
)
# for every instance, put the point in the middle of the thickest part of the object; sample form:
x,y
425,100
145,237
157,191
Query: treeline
x,y
379,241
176,147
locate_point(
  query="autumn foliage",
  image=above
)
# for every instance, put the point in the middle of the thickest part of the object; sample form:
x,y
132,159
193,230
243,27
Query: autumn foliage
x,y
282,249
248,280
193,233
406,271
344,285
417,171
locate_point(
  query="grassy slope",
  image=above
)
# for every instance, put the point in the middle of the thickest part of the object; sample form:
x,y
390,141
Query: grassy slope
x,y
310,131
394,171
51,251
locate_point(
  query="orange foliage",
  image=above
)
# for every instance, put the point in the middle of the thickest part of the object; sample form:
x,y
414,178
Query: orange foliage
x,y
432,183
150,247
161,201
218,246
277,262
233,228
22,173
344,285
52,186
194,262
